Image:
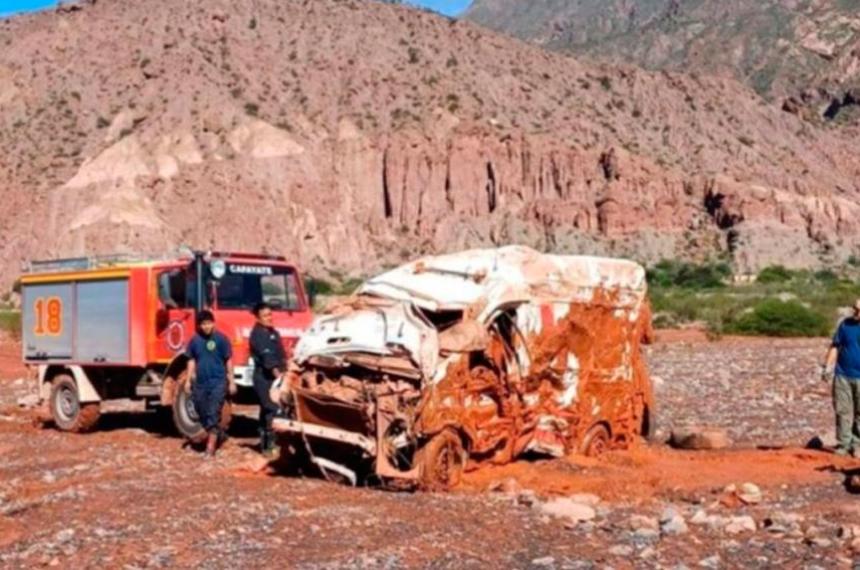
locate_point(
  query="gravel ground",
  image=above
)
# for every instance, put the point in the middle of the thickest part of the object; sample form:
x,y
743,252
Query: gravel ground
x,y
128,496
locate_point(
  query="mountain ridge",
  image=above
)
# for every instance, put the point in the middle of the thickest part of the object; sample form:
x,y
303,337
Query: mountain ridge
x,y
353,135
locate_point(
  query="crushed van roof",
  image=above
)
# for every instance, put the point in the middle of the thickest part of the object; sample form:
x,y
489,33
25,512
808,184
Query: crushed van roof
x,y
457,281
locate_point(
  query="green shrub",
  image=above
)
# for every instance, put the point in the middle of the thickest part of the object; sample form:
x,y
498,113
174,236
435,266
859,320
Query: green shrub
x,y
669,273
10,322
772,317
344,286
826,276
318,286
775,274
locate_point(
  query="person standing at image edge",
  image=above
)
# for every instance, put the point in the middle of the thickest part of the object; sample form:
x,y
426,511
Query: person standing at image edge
x,y
270,361
842,364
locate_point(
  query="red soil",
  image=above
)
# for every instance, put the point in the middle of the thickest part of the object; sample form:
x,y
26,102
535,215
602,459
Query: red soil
x,y
646,473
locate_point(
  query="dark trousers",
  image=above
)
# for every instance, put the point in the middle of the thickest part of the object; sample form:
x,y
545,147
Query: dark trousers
x,y
268,409
208,398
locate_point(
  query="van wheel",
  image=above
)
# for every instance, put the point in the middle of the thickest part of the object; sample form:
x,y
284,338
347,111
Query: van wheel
x,y
441,462
596,441
185,417
67,411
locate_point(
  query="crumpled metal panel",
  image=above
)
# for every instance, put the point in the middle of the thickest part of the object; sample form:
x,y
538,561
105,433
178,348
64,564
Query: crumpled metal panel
x,y
489,277
386,330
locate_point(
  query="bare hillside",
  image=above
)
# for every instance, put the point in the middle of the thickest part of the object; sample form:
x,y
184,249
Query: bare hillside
x,y
351,134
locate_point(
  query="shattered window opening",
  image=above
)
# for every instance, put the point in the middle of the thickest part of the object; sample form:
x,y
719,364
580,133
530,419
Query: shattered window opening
x,y
441,320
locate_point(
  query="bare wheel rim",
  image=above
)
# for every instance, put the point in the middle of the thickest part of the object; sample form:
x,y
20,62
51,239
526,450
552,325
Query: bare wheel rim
x,y
447,464
67,405
598,445
188,409
598,442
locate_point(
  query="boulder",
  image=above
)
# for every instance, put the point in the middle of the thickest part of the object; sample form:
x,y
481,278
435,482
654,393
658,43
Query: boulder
x,y
741,524
700,438
569,509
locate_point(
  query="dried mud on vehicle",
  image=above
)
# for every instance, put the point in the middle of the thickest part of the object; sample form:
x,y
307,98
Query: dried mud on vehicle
x,y
478,357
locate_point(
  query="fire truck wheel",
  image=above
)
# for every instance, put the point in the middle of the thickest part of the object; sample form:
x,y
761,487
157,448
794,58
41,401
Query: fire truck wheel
x,y
67,411
186,421
596,441
441,462
185,417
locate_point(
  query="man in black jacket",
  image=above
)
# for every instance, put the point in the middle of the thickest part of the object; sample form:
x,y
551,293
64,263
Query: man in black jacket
x,y
270,362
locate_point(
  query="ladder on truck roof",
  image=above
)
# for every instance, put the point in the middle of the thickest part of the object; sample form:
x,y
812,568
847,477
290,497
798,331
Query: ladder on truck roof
x,y
86,263
111,260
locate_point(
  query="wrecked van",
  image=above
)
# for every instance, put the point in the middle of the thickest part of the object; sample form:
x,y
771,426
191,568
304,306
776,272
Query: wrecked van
x,y
477,357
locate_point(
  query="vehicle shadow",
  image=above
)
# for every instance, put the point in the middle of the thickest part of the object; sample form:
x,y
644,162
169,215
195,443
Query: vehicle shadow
x,y
160,423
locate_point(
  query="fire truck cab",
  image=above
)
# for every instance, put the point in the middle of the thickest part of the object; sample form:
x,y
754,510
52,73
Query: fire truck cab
x,y
116,327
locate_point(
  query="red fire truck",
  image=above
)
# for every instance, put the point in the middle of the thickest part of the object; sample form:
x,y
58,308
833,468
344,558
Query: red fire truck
x,y
116,327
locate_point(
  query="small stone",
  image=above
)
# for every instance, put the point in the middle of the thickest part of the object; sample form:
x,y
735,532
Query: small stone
x,y
64,535
737,525
585,499
545,561
527,498
646,534
750,494
699,517
508,486
855,546
622,550
29,401
849,531
639,522
566,508
711,562
647,552
674,526
820,542
699,438
49,477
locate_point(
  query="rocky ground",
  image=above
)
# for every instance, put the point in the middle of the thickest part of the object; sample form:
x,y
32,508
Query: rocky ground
x,y
129,496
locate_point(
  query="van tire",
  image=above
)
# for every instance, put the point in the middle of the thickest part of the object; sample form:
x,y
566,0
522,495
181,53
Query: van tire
x,y
441,462
596,441
67,411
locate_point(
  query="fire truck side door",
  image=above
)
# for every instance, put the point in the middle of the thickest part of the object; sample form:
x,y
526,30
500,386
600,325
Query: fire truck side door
x,y
175,321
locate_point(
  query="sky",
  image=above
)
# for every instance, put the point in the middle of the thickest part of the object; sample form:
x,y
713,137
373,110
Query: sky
x,y
449,7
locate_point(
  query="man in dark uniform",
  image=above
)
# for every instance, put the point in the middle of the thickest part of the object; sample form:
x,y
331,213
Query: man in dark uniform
x,y
270,362
210,376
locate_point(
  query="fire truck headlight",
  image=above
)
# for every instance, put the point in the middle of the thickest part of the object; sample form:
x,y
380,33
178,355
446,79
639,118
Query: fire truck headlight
x,y
218,268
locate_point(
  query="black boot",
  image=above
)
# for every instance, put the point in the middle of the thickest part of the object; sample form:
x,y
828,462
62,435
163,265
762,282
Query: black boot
x,y
268,444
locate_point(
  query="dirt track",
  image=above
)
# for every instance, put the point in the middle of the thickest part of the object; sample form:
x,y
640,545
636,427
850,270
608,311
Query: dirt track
x,y
127,495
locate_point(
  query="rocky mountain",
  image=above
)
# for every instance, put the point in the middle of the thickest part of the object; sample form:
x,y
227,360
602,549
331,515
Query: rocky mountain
x,y
350,135
804,54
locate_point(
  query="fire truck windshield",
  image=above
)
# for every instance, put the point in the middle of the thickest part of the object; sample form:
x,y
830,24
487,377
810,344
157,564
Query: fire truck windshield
x,y
245,285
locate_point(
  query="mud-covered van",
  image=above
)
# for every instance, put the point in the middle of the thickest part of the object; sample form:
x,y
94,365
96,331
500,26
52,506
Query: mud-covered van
x,y
479,356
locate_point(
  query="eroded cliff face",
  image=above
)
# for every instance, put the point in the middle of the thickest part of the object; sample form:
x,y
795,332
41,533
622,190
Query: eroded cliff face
x,y
350,136
356,203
